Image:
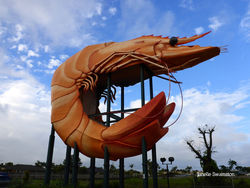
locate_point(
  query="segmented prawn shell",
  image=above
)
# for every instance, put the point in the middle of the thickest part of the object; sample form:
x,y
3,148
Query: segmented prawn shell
x,y
71,106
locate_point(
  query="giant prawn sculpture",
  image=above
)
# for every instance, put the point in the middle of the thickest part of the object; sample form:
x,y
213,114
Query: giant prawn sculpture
x,y
79,83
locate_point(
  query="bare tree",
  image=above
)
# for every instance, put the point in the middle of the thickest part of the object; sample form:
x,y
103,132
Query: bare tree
x,y
205,157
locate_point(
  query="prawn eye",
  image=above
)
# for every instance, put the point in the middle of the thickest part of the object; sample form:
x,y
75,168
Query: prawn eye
x,y
173,41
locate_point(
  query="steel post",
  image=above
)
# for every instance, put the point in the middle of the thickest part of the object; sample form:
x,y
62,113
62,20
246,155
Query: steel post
x,y
142,85
67,165
154,160
106,153
144,163
144,144
92,173
49,156
154,167
121,173
108,100
106,168
121,161
75,165
168,176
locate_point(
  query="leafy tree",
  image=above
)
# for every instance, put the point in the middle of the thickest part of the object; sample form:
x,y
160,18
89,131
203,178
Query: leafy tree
x,y
131,166
224,169
71,161
58,168
174,169
231,164
40,164
239,168
26,177
83,170
113,169
188,169
162,172
150,166
9,164
205,157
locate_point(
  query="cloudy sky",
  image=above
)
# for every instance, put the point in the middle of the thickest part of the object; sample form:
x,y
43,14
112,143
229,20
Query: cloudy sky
x,y
37,36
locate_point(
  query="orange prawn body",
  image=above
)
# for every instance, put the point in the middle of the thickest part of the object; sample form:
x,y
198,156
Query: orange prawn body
x,y
79,82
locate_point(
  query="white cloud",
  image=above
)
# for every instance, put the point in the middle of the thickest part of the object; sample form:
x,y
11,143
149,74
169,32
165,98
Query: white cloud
x,y
199,30
46,48
51,17
29,63
50,71
135,104
13,47
23,58
93,23
99,8
24,121
200,108
63,57
203,107
2,30
22,47
112,10
28,102
245,23
215,23
5,70
19,67
31,53
19,33
53,63
136,21
188,4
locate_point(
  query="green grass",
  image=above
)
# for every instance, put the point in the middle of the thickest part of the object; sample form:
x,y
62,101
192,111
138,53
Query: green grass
x,y
242,182
180,182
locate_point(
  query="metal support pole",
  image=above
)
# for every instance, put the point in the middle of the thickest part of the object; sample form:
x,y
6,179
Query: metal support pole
x,y
122,102
144,163
92,173
144,144
121,173
67,165
142,85
75,165
154,161
168,176
151,92
106,168
154,167
106,153
49,156
108,100
121,162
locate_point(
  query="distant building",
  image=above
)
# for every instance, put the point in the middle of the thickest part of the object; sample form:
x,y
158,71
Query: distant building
x,y
20,168
17,171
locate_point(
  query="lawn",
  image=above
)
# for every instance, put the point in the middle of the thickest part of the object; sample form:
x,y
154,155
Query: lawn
x,y
175,182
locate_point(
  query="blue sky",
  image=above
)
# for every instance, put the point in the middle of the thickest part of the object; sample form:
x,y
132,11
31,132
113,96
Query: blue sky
x,y
37,36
